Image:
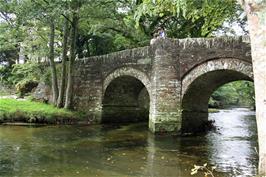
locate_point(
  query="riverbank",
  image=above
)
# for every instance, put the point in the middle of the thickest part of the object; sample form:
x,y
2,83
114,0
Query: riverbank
x,y
26,111
22,111
213,110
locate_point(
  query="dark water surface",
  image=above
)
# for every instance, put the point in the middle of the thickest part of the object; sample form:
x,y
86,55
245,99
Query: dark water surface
x,y
129,150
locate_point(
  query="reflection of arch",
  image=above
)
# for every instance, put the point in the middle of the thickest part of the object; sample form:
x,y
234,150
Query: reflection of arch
x,y
202,81
215,65
127,71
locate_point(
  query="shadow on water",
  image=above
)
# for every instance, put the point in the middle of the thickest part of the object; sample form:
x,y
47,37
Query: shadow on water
x,y
129,149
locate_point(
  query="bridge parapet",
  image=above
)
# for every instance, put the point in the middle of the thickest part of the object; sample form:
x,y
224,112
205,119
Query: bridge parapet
x,y
209,43
131,54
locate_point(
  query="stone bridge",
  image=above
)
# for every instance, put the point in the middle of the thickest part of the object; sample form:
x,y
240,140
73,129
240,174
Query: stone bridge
x,y
168,84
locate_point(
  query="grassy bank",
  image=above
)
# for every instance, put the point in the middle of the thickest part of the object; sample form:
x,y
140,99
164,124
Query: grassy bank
x,y
12,110
213,110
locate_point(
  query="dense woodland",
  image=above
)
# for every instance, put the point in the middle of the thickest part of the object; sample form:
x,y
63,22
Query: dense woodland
x,y
46,32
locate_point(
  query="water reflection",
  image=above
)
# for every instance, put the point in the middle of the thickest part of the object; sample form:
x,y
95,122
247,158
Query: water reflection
x,y
129,150
233,146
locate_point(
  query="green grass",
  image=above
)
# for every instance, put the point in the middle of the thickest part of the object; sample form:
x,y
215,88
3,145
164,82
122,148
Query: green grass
x,y
12,110
213,110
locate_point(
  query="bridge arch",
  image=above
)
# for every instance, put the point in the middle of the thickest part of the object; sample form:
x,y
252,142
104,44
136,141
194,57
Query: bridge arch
x,y
126,96
202,81
127,71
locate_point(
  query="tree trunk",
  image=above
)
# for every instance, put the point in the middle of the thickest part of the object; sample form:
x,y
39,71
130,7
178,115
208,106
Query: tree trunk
x,y
256,12
69,90
60,99
52,63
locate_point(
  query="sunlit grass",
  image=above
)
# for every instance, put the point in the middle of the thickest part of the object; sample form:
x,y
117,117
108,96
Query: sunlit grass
x,y
213,110
29,111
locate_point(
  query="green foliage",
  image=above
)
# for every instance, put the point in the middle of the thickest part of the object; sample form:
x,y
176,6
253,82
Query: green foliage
x,y
27,111
5,72
187,18
239,93
8,44
104,26
25,86
12,32
107,25
111,23
24,76
121,42
28,71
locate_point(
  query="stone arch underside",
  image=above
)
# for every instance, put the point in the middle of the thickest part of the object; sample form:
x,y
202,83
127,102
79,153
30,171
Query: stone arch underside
x,y
202,81
126,96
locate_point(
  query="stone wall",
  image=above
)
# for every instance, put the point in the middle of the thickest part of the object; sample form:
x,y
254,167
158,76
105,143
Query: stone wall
x,y
202,81
194,52
123,101
94,74
173,73
166,88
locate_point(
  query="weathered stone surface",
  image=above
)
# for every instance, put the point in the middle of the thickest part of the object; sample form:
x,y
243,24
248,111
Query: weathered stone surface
x,y
174,78
166,88
200,82
256,12
43,93
124,101
221,64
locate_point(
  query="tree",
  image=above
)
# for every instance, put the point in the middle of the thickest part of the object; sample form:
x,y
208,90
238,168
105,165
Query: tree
x,y
17,13
239,93
69,90
46,11
52,63
186,18
106,26
60,100
11,33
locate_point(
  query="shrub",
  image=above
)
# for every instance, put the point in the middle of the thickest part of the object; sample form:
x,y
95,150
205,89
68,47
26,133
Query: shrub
x,y
28,71
24,77
5,73
25,86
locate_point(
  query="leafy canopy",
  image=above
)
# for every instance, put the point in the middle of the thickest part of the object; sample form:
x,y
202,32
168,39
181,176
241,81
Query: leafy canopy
x,y
187,18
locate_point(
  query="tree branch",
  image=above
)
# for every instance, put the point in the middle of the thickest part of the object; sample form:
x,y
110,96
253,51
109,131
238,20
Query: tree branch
x,y
67,18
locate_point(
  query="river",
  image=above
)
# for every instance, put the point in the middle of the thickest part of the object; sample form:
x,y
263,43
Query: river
x,y
129,150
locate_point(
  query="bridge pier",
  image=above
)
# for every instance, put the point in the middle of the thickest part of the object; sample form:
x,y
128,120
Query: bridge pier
x,y
165,114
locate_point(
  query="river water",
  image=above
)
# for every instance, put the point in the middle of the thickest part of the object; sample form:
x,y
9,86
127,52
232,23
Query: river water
x,y
129,150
